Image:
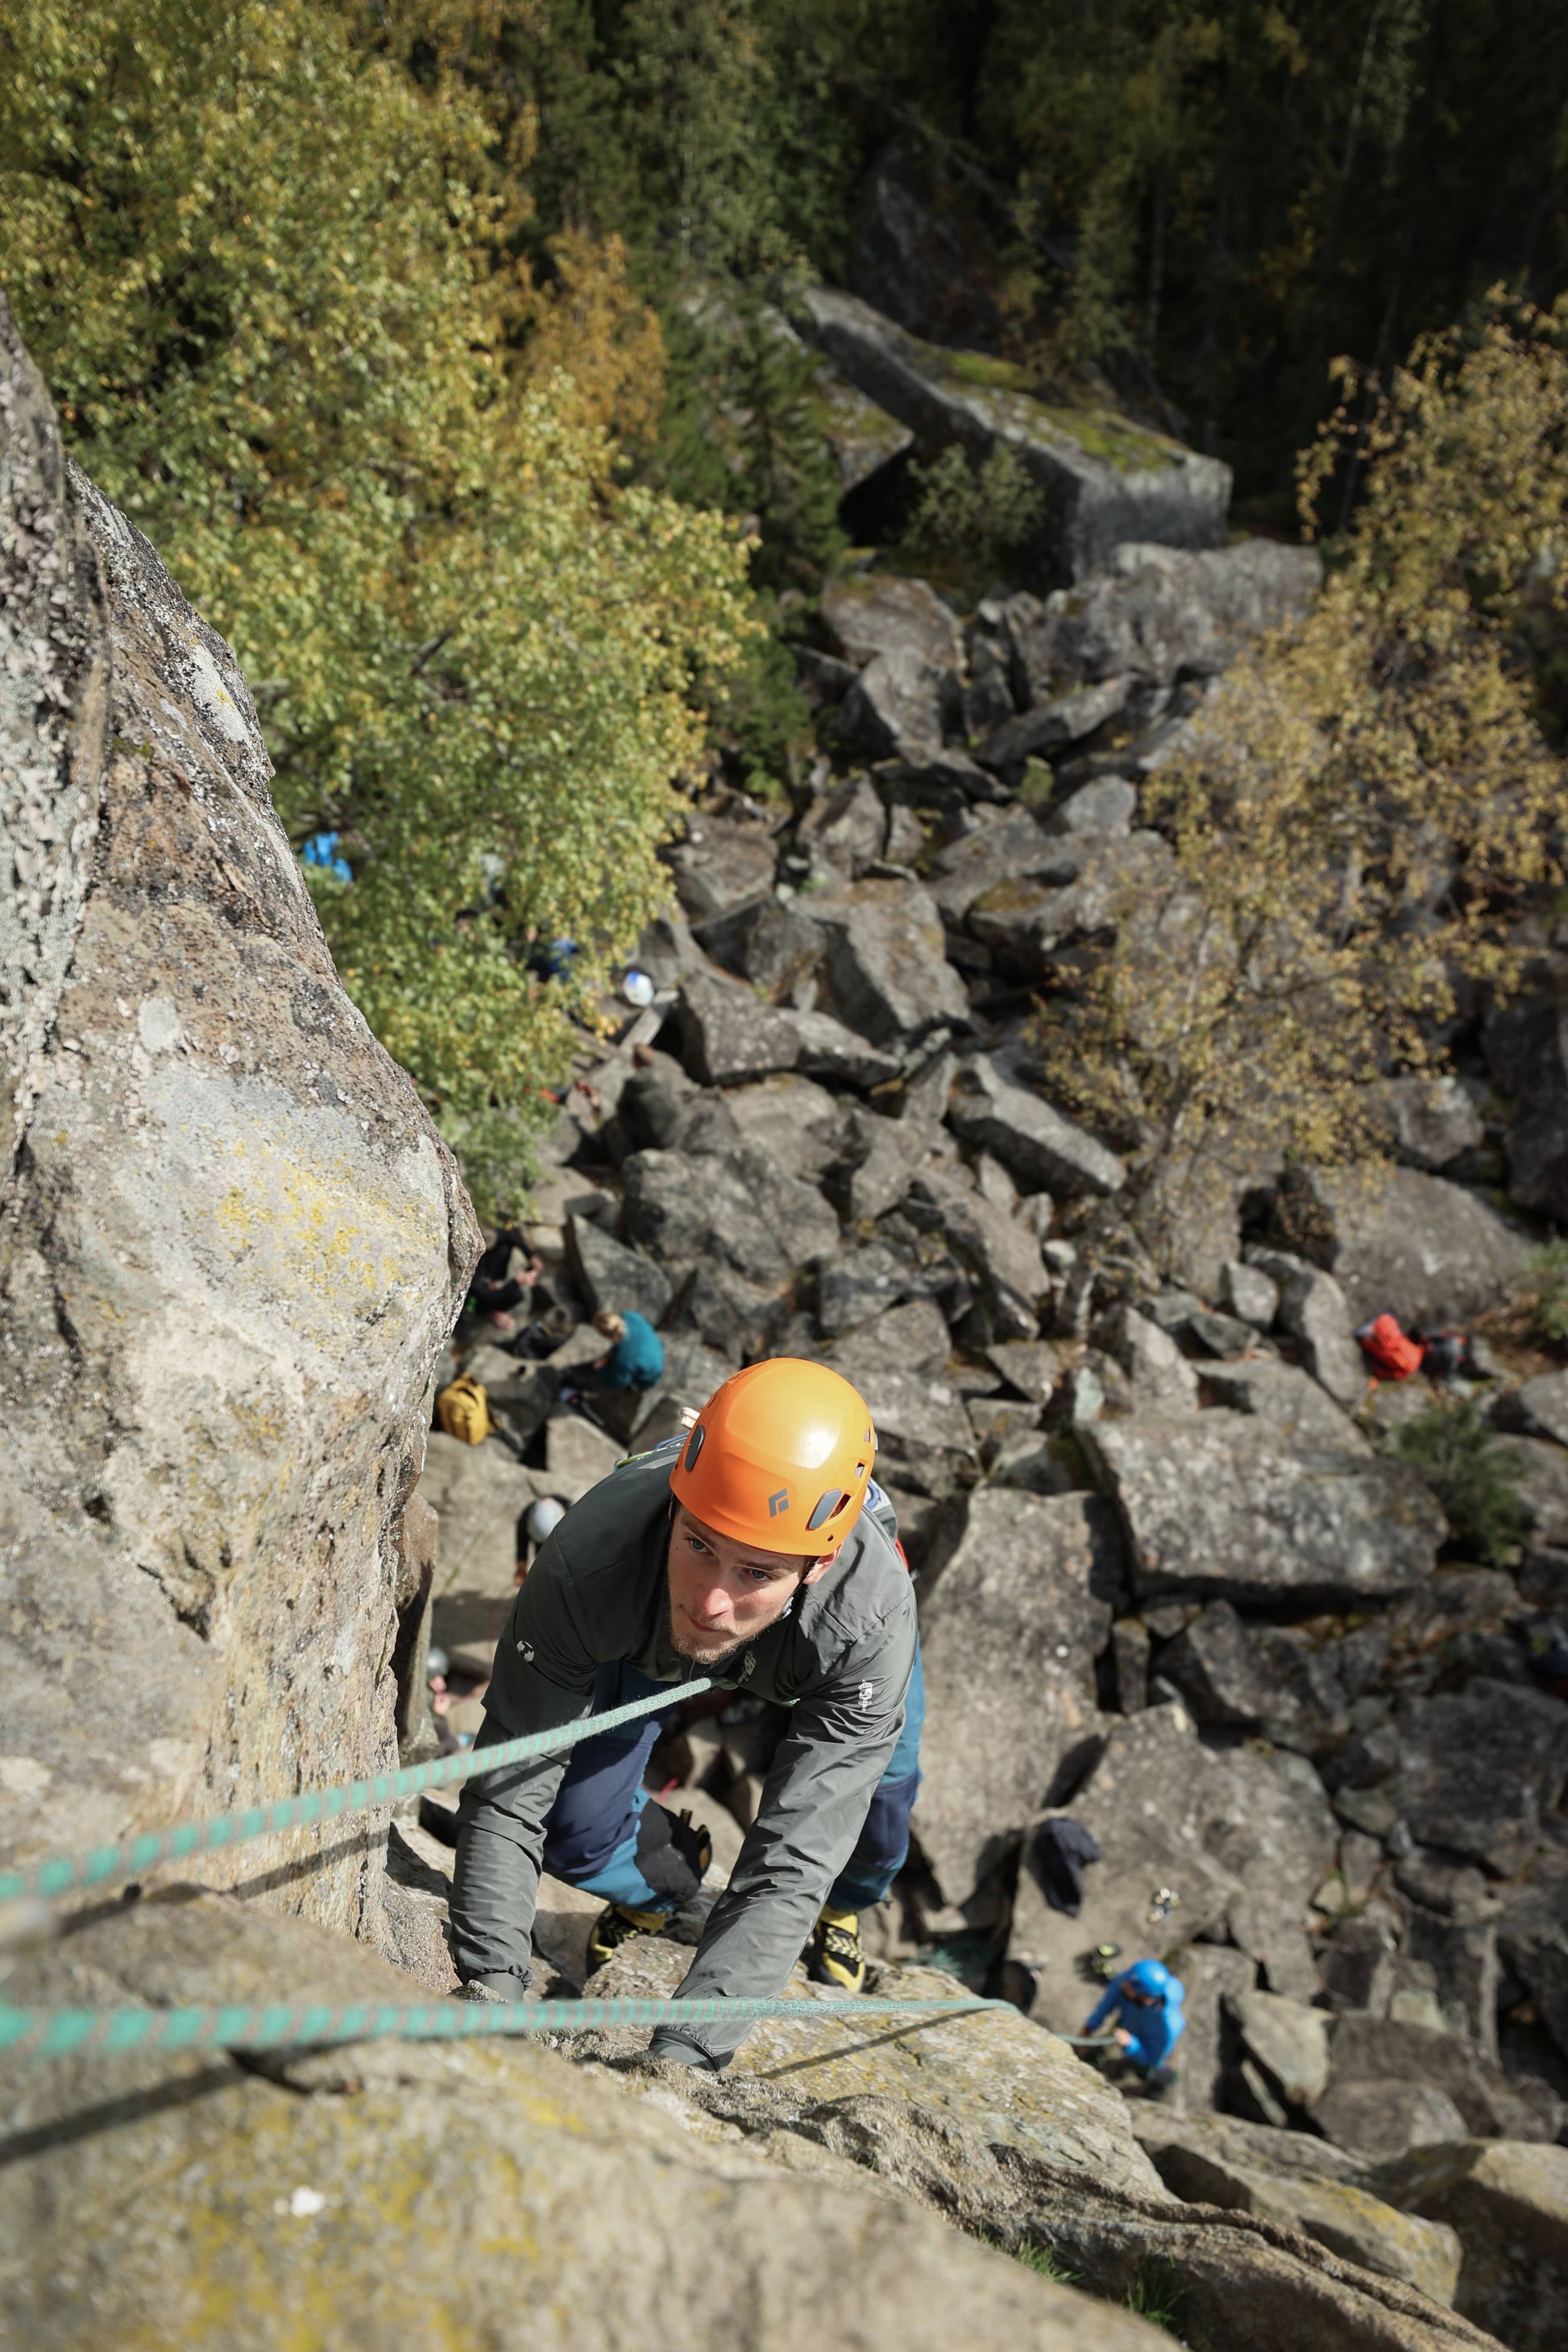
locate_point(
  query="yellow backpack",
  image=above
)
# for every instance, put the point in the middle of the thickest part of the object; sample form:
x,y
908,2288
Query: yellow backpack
x,y
463,1411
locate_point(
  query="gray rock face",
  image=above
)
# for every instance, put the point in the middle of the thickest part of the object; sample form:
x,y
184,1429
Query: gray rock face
x,y
572,2180
1150,488
1430,1120
1174,1821
1479,1768
1246,2169
1108,804
1288,2040
721,863
887,963
1541,1471
1314,1310
1288,1399
1025,923
727,1034
1507,2202
796,1122
1384,2052
763,941
1001,1255
1539,1407
1160,1379
844,831
229,1198
978,861
741,1210
878,613
1050,726
1157,612
611,1276
1527,1048
1403,1243
1219,1504
829,1050
1247,1290
1045,1151
898,708
1013,1614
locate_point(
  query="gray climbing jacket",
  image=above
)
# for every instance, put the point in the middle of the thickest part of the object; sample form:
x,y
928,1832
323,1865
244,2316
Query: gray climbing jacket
x,y
840,1658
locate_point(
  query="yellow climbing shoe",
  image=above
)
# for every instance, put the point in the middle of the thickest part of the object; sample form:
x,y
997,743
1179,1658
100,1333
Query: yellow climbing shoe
x,y
835,1955
616,1926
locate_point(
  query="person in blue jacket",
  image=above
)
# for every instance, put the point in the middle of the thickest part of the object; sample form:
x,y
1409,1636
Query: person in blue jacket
x,y
1146,2002
636,1359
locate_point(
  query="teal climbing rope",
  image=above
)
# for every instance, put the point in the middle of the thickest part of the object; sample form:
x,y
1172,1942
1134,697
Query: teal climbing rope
x,y
67,2032
102,1863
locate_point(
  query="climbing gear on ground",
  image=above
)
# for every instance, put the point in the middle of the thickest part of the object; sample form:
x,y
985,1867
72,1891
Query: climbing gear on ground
x,y
62,2033
779,1457
101,1864
617,1925
1164,1901
1102,1961
834,1953
1391,1355
463,1411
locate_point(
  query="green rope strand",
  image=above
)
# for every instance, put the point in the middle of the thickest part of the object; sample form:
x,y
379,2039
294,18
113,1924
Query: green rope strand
x,y
101,1864
63,2032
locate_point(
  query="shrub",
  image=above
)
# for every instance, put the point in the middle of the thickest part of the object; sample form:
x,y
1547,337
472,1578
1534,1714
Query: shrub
x,y
1451,1448
1545,1286
970,518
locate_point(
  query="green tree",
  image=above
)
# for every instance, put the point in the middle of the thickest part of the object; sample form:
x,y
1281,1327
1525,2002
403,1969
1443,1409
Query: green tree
x,y
258,273
1365,800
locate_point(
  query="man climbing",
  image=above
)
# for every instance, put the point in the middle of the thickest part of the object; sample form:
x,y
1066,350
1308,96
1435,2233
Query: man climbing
x,y
1146,2000
754,1549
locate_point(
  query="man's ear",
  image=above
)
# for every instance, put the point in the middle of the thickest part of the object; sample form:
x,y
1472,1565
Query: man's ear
x,y
819,1568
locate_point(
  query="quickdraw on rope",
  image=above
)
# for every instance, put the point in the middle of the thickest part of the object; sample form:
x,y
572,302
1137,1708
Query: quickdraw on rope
x,y
103,1863
64,2032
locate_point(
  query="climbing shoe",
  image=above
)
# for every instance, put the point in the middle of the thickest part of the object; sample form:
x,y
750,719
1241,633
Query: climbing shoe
x,y
616,1925
835,1955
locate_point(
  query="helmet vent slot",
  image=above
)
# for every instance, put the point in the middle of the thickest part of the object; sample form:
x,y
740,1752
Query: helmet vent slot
x,y
832,1501
695,1447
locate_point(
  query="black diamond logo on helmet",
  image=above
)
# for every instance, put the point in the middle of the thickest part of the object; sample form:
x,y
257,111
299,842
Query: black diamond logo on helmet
x,y
779,1502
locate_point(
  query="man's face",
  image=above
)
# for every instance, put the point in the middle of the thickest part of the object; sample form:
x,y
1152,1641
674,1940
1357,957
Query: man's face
x,y
722,1593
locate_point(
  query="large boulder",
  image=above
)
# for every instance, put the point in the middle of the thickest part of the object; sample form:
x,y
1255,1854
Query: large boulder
x,y
875,613
723,862
1314,1310
899,708
1158,614
1047,1151
1401,1243
1182,1831
1289,1400
741,1210
1480,1769
887,963
1016,1606
729,1033
1304,2184
1105,480
612,1276
1025,923
1507,2202
234,1242
1370,2054
999,1252
977,861
1220,1502
337,2197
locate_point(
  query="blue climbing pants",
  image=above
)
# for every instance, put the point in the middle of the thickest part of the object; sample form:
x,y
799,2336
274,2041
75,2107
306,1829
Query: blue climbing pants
x,y
594,1833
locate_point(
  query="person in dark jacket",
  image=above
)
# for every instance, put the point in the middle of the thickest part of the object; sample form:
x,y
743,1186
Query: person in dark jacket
x,y
743,1551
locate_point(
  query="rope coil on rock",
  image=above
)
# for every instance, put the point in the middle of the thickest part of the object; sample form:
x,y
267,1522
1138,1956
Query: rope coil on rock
x,y
101,1864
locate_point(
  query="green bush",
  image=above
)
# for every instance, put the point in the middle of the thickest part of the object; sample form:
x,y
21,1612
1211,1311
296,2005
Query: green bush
x,y
1545,1285
970,518
1450,1447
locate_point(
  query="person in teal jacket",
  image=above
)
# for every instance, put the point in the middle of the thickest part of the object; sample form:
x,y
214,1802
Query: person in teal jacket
x,y
636,1359
1146,2002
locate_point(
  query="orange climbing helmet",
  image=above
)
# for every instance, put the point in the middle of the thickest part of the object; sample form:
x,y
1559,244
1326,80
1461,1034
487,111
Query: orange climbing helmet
x,y
779,1457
